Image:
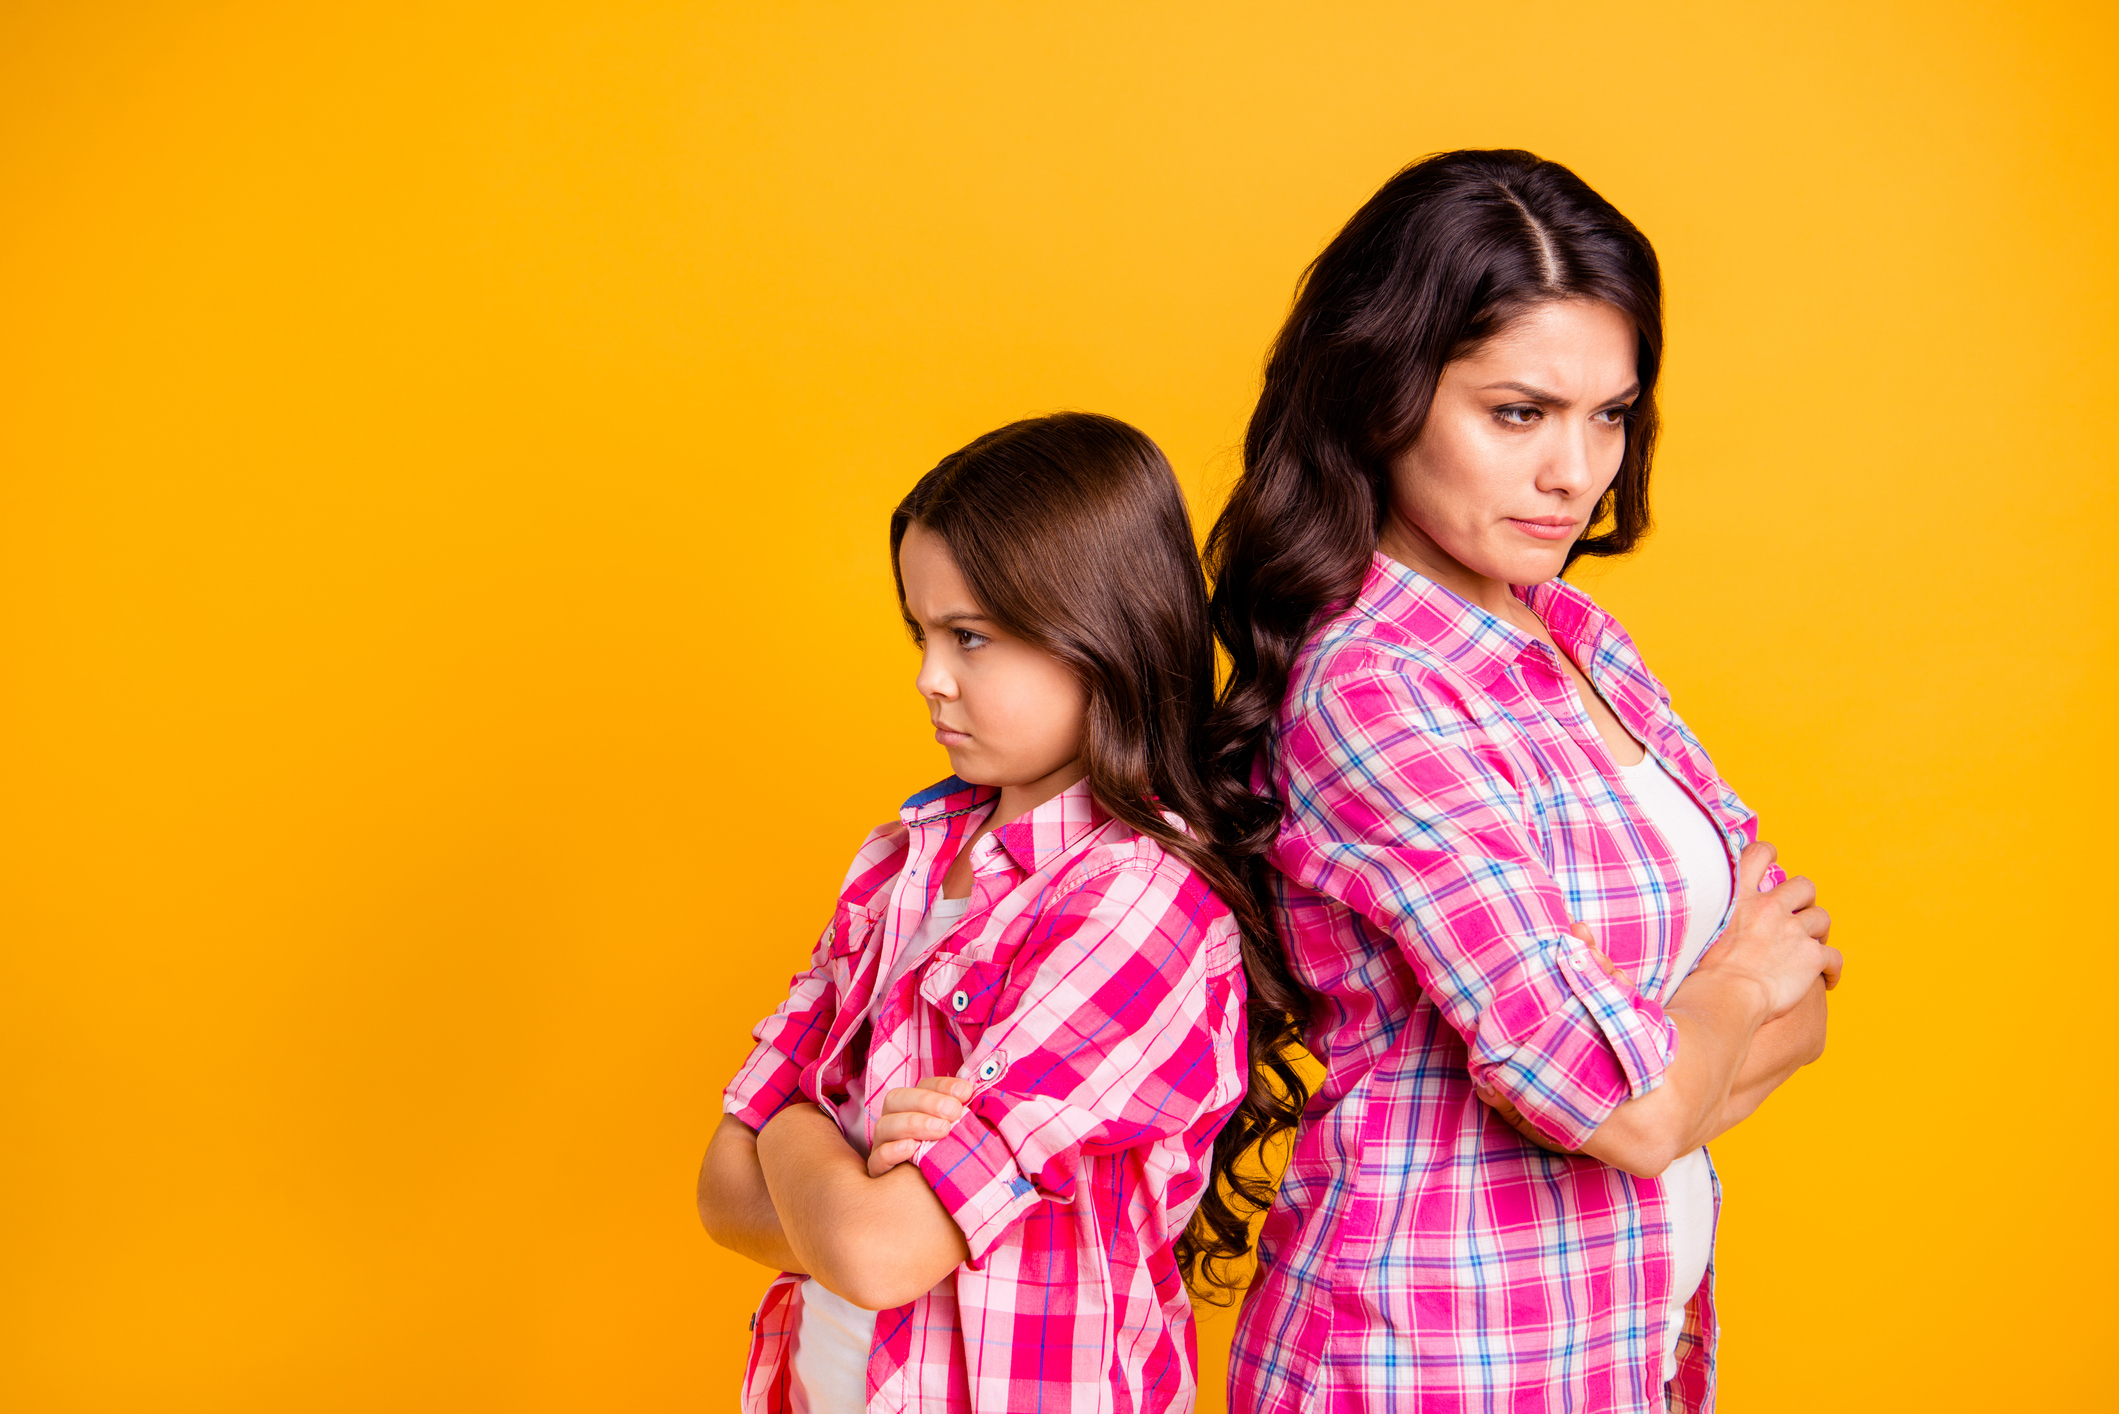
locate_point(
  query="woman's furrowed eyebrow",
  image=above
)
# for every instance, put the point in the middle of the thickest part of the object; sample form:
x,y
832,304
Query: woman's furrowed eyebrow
x,y
1540,395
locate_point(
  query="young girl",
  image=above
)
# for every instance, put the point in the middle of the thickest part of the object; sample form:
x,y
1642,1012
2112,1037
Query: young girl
x,y
973,1135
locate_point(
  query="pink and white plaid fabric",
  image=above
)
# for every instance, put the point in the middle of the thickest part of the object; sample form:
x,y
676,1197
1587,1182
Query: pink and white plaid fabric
x,y
1094,996
1450,811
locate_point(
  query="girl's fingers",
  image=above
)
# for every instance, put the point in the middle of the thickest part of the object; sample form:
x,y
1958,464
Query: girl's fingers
x,y
1816,922
923,1100
956,1087
910,1125
885,1157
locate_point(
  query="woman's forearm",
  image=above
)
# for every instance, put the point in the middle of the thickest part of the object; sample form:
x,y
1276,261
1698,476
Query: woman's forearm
x,y
1717,1015
734,1202
1782,1047
878,1242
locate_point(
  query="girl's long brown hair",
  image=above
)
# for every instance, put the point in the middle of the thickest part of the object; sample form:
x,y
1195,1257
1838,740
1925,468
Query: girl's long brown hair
x,y
1072,532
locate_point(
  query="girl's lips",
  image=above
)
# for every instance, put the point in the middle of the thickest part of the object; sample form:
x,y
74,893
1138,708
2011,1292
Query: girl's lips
x,y
1545,527
949,736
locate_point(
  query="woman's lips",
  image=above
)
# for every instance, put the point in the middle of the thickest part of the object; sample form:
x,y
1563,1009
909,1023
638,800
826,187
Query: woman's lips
x,y
950,736
1545,527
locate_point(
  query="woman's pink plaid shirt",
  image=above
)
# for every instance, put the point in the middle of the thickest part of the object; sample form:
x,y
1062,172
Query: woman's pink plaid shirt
x,y
1450,811
1094,996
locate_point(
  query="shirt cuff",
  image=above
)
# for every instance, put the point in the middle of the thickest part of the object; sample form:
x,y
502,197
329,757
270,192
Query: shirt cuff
x,y
1566,1072
754,1105
974,1172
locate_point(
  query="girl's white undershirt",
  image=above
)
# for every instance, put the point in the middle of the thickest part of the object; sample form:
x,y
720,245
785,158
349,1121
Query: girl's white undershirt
x,y
831,1348
1703,863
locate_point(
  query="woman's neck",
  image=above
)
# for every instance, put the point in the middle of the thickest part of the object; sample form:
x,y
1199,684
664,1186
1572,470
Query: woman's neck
x,y
1411,547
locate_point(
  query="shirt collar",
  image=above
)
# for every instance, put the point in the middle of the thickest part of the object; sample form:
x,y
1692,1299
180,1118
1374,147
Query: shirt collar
x,y
1477,643
1034,839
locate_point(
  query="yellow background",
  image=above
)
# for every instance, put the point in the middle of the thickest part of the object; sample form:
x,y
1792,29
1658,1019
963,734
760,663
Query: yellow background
x,y
449,654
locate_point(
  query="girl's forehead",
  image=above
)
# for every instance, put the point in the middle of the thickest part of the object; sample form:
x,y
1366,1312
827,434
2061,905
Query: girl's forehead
x,y
935,589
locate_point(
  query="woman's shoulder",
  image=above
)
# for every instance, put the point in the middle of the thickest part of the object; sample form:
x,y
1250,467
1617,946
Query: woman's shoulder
x,y
1362,662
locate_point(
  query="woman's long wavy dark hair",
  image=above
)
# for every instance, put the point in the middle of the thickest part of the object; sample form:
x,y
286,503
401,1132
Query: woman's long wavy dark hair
x,y
1436,263
1073,534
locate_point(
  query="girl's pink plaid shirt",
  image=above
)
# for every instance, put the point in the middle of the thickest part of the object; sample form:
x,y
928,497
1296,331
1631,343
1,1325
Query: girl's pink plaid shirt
x,y
1094,996
1450,811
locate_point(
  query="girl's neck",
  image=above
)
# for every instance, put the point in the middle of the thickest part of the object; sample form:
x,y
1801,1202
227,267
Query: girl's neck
x,y
1015,802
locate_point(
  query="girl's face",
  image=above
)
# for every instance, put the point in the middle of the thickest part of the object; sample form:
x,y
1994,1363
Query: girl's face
x,y
1523,439
1009,714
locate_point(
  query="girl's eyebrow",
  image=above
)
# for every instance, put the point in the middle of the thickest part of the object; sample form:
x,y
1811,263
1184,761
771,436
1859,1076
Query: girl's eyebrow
x,y
963,616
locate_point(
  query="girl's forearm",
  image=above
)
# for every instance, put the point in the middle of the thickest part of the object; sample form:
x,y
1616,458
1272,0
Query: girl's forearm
x,y
878,1242
734,1202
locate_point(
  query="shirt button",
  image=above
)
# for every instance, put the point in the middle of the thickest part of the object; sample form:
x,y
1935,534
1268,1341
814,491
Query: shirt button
x,y
959,1001
990,1069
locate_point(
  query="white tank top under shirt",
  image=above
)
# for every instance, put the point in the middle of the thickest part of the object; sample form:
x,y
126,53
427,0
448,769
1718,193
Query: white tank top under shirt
x,y
832,1345
1703,865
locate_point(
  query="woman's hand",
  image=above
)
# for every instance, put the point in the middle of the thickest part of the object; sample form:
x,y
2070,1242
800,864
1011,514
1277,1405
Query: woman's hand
x,y
913,1115
1775,939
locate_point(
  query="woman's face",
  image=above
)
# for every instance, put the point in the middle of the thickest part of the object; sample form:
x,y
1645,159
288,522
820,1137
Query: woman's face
x,y
1524,436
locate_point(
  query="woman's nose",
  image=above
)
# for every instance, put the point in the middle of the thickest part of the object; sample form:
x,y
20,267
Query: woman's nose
x,y
1571,467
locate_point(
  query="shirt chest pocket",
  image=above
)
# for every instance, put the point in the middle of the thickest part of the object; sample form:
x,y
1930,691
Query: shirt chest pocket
x,y
968,994
846,943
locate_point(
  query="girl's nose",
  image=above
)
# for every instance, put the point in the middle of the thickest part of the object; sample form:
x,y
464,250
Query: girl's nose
x,y
934,680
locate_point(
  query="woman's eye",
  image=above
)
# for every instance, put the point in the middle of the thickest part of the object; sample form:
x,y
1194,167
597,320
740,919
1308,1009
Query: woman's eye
x,y
1615,415
1519,415
965,638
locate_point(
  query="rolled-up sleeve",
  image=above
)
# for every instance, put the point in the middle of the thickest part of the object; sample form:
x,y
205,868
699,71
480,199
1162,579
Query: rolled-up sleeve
x,y
789,1042
1120,1024
1399,810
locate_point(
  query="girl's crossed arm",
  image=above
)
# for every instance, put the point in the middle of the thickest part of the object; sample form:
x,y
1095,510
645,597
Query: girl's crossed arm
x,y
879,1242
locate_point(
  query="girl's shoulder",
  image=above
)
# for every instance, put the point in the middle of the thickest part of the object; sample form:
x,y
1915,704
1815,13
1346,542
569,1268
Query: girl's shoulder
x,y
879,860
1121,863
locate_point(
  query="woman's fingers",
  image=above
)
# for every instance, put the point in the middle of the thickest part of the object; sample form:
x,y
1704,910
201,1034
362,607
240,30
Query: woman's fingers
x,y
956,1087
1834,961
1816,922
1751,866
1796,893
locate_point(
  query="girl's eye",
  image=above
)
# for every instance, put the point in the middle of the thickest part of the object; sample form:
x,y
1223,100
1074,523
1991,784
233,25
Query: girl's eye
x,y
1616,415
1518,414
965,638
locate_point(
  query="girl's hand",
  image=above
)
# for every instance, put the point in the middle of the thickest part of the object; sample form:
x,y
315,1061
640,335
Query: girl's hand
x,y
1776,939
912,1116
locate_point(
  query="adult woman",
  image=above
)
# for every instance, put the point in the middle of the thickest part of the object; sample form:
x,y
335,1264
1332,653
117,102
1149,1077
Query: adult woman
x,y
1466,782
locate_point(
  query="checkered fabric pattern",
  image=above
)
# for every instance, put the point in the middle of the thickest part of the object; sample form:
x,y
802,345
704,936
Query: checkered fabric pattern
x,y
1451,810
1094,996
